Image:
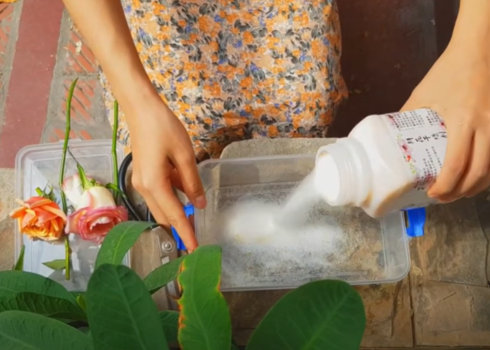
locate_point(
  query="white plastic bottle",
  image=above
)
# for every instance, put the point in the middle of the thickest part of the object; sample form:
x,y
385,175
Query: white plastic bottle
x,y
386,164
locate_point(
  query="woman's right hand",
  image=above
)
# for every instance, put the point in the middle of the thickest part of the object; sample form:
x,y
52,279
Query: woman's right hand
x,y
163,158
162,151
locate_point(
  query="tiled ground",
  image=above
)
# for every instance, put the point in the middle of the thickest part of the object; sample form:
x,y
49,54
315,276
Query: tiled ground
x,y
48,55
9,19
75,60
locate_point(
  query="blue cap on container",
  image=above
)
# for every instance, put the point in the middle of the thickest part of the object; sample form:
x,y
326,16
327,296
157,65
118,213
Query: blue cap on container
x,y
415,222
188,210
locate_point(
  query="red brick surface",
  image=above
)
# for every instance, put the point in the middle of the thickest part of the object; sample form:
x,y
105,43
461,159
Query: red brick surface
x,y
80,59
30,82
6,16
7,23
75,60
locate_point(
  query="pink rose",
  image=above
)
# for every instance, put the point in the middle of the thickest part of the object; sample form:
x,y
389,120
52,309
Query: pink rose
x,y
73,189
96,212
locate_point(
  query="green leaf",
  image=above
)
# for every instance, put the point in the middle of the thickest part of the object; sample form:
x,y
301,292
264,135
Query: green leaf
x,y
317,315
115,189
19,265
45,194
119,241
170,324
204,316
81,302
42,304
13,282
25,331
58,264
162,275
121,312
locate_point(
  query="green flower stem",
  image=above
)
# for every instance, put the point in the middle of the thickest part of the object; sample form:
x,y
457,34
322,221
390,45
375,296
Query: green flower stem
x,y
62,173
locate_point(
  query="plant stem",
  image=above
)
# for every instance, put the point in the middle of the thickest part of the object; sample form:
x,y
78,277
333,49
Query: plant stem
x,y
114,143
62,173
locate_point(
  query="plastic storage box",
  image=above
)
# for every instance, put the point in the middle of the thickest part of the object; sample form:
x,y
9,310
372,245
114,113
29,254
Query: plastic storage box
x,y
39,166
332,243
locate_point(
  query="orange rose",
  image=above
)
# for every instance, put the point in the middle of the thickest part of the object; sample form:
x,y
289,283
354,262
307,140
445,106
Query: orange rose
x,y
40,218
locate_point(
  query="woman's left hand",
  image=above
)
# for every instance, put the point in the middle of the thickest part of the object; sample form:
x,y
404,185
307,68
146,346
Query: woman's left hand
x,y
458,88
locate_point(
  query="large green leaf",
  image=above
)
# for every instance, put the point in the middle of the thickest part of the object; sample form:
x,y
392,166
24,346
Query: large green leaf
x,y
318,315
162,275
204,316
121,312
21,330
13,282
170,323
119,241
42,304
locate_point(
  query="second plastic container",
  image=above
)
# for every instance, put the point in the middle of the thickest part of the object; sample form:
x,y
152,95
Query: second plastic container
x,y
332,243
39,166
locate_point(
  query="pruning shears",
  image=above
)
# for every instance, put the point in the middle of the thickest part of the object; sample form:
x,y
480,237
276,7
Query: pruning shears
x,y
169,244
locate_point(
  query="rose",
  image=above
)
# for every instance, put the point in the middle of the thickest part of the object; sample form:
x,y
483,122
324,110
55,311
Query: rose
x,y
73,189
96,211
40,218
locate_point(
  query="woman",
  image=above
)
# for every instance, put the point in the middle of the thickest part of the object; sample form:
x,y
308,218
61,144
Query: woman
x,y
201,74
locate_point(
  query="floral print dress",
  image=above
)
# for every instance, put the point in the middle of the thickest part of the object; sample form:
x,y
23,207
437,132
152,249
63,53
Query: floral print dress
x,y
240,69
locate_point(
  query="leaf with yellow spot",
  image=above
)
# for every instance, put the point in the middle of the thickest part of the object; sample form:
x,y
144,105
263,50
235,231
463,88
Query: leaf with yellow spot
x,y
204,322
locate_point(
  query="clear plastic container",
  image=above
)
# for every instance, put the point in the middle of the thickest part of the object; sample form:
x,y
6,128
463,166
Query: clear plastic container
x,y
332,243
39,166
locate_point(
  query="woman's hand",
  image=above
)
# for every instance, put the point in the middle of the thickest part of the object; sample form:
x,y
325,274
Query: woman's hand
x,y
458,88
162,152
163,158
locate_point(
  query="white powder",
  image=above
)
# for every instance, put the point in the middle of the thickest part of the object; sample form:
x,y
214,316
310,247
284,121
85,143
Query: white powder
x,y
278,236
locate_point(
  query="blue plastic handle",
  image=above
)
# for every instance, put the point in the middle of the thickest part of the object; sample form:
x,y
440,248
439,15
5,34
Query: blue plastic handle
x,y
415,222
188,210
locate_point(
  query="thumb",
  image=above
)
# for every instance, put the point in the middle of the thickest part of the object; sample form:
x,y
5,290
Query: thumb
x,y
191,182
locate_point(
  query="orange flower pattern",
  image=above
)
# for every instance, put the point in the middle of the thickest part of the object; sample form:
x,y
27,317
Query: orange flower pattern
x,y
240,69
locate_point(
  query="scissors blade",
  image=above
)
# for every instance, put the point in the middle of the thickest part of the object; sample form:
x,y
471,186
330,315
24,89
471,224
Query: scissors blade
x,y
169,252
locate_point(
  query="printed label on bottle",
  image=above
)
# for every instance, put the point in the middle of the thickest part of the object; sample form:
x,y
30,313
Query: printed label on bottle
x,y
422,139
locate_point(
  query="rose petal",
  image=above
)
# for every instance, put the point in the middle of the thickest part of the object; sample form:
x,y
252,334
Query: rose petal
x,y
35,202
27,219
101,197
72,222
85,201
43,215
16,213
72,186
54,209
94,224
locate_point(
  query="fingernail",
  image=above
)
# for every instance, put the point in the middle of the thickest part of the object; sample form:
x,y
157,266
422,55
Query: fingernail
x,y
201,202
